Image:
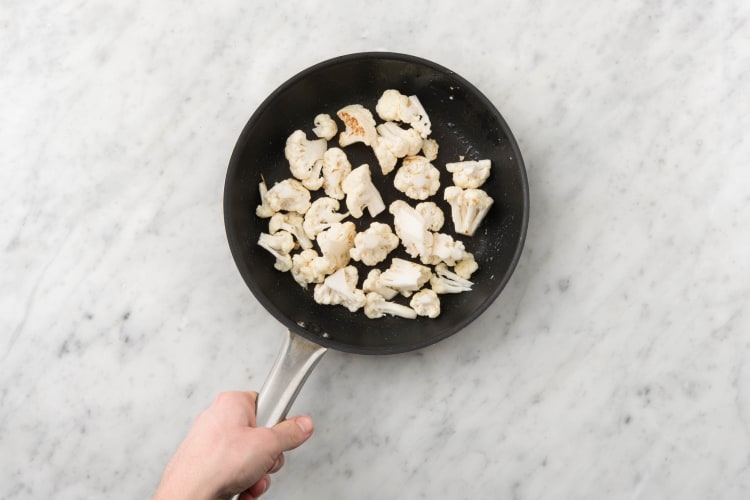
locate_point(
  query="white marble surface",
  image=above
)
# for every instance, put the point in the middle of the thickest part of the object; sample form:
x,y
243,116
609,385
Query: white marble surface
x,y
615,365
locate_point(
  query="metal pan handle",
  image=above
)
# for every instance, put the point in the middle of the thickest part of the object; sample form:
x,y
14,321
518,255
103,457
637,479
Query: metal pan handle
x,y
294,363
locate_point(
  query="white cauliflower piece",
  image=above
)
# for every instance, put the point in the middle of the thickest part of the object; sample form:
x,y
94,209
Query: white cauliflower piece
x,y
360,125
336,167
394,142
394,106
322,213
308,267
468,208
466,266
279,245
417,178
288,195
430,149
405,276
411,228
335,243
372,284
432,214
469,174
341,288
426,303
325,126
361,193
292,223
263,210
444,281
373,245
445,249
376,307
305,159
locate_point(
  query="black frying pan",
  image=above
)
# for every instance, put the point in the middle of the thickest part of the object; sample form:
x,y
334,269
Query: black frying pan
x,y
464,123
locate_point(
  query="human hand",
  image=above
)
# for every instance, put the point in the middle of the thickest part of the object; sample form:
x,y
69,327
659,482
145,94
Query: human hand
x,y
224,454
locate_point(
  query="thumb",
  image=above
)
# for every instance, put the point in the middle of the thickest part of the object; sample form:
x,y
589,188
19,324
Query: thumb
x,y
293,432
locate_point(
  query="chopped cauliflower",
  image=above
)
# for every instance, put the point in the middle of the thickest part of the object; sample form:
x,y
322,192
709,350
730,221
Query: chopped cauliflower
x,y
305,159
292,223
373,245
322,213
361,193
394,106
445,281
335,243
372,284
405,276
360,125
426,303
469,174
417,178
466,266
430,149
309,267
263,210
341,288
394,142
325,126
288,195
411,228
432,214
468,208
336,167
279,245
444,249
376,307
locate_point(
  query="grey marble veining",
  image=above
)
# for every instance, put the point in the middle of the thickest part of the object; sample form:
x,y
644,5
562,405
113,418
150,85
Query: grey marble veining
x,y
614,365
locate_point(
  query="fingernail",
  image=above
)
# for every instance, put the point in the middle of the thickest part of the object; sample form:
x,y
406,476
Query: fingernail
x,y
305,423
266,485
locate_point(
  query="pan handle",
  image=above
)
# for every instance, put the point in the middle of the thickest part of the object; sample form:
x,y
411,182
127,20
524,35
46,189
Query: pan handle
x,y
294,363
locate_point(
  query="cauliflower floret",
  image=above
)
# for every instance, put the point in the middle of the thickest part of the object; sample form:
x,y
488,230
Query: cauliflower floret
x,y
336,167
308,267
263,210
292,223
322,213
325,127
444,249
335,243
468,208
466,266
288,195
360,125
394,142
373,245
394,106
417,178
372,284
426,303
432,215
361,192
279,245
405,276
430,149
341,288
411,228
444,281
469,174
376,307
305,159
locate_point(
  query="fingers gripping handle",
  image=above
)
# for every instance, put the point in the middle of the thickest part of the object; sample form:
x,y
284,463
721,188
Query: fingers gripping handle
x,y
294,363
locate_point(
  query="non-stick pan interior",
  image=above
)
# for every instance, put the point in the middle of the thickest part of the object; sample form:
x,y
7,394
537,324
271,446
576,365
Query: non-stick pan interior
x,y
464,123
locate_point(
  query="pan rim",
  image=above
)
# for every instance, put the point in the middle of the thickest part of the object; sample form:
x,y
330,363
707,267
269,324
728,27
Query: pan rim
x,y
234,244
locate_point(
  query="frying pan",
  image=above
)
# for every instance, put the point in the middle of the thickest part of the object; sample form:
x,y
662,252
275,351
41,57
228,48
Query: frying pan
x,y
464,123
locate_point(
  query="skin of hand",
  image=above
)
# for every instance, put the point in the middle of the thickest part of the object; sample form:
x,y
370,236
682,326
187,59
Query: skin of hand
x,y
224,454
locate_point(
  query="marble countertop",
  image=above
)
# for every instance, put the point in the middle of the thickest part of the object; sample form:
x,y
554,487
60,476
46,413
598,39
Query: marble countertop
x,y
616,363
